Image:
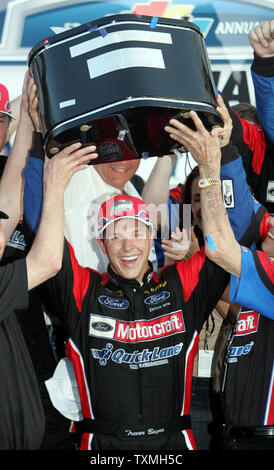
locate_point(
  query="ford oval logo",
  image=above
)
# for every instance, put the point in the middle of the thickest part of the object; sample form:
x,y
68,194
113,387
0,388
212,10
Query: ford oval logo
x,y
101,326
114,302
157,298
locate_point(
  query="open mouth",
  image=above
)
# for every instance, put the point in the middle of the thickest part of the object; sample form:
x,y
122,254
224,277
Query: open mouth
x,y
129,260
270,235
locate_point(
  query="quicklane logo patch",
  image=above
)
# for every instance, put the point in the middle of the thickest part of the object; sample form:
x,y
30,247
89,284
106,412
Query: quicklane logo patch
x,y
136,359
238,351
137,331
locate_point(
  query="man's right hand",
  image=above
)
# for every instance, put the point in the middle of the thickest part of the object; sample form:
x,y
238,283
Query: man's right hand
x,y
261,38
60,168
33,105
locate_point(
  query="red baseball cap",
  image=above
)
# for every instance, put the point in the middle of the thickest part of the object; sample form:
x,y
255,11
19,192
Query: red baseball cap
x,y
5,102
122,207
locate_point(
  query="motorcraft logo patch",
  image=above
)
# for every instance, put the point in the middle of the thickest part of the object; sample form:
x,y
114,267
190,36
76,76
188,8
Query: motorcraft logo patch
x,y
136,331
247,323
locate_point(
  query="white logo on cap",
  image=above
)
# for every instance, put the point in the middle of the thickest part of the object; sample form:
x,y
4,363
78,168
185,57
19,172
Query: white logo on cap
x,y
121,206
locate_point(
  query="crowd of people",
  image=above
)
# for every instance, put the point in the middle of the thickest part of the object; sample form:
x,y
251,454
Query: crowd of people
x,y
114,337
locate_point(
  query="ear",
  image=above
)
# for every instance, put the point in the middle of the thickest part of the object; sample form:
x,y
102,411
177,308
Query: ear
x,y
101,244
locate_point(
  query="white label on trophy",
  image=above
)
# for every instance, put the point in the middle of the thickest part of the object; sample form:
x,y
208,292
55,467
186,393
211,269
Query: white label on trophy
x,y
117,37
64,104
124,59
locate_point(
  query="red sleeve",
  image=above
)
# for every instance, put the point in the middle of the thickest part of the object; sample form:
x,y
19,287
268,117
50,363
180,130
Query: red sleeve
x,y
267,264
177,193
81,279
264,227
254,137
189,272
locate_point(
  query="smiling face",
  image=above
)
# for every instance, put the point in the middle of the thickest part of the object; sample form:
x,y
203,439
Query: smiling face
x,y
127,244
268,243
117,174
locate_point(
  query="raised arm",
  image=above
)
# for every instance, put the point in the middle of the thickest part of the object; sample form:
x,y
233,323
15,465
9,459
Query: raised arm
x,y
11,185
156,190
45,257
243,213
261,38
33,193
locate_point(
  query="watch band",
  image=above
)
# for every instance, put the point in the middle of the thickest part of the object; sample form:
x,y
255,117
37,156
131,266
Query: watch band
x,y
206,182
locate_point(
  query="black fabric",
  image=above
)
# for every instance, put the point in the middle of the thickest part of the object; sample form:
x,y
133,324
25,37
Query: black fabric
x,y
246,377
40,349
37,148
250,152
263,65
132,431
22,417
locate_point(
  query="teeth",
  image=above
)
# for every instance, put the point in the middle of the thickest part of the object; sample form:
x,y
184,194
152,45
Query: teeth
x,y
129,258
270,235
120,170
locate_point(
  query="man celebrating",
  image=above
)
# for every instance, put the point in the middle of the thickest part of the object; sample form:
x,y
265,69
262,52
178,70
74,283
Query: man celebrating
x,y
133,334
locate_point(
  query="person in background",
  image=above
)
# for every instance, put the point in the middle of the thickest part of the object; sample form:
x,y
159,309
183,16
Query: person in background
x,y
31,319
83,197
247,372
255,142
261,38
22,415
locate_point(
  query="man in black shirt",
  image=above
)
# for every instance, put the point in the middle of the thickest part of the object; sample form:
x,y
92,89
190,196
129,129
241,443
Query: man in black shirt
x,y
22,417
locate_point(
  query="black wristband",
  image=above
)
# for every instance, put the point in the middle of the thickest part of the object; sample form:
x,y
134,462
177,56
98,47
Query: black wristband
x,y
229,153
263,65
37,149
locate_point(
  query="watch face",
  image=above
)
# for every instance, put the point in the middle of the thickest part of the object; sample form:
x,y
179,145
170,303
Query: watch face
x,y
203,183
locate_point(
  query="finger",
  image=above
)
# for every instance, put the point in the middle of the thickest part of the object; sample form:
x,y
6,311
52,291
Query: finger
x,y
217,133
166,244
67,151
198,123
222,109
79,168
82,156
180,139
265,30
179,235
171,256
175,126
183,136
25,82
260,36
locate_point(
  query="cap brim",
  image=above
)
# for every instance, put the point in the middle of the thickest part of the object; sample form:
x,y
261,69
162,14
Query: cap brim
x,y
100,230
8,114
3,215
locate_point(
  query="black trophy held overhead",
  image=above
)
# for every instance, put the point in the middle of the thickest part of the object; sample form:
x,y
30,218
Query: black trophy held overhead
x,y
118,80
